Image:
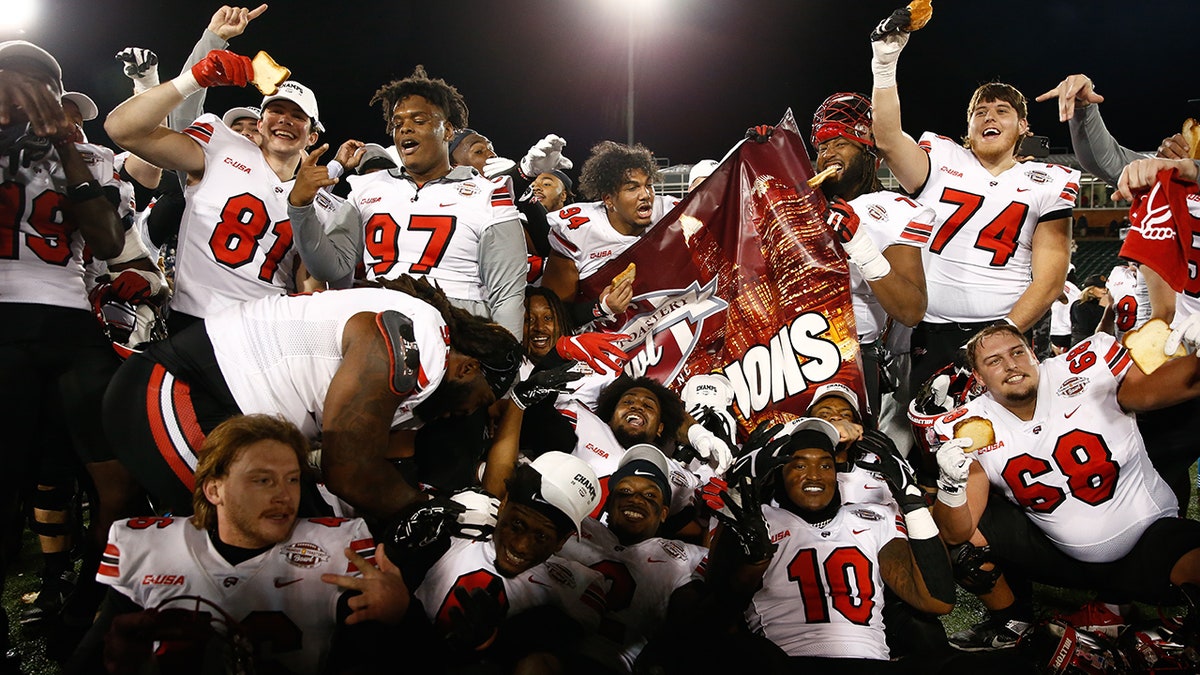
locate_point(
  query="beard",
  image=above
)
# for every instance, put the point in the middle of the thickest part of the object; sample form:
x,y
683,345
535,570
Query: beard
x,y
855,179
449,396
628,438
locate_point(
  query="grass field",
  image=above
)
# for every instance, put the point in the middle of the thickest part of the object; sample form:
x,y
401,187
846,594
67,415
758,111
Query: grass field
x,y
22,585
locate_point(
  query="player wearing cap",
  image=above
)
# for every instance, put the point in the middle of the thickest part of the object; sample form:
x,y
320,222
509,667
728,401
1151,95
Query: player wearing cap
x,y
245,550
353,366
1001,243
487,596
883,232
1083,507
235,240
642,570
810,572
426,218
584,236
244,120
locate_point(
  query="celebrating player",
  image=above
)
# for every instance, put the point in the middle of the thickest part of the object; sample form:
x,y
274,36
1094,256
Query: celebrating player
x,y
453,225
1001,241
245,551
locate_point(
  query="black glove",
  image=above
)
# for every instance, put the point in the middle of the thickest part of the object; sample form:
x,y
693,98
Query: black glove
x,y
878,454
760,133
739,510
543,384
476,615
898,21
759,454
710,419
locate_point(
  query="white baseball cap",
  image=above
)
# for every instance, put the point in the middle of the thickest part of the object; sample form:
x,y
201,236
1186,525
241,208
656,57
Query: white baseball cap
x,y
87,107
20,49
374,151
811,424
568,484
836,389
702,169
300,95
713,390
234,114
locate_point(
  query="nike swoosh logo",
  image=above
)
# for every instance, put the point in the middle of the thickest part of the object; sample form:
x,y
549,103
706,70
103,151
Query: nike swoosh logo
x,y
652,560
539,583
445,205
639,472
1023,189
859,531
281,584
872,487
1068,415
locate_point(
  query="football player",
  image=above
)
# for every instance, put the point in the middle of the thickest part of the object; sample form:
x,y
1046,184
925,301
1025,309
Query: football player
x,y
883,232
279,577
360,367
584,236
426,218
235,240
1000,245
1082,506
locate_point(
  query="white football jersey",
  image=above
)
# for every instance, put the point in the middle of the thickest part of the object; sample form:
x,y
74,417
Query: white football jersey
x,y
597,446
860,486
1060,312
42,252
1130,298
1078,469
279,354
979,258
890,219
277,597
582,233
639,581
235,239
822,593
434,230
471,565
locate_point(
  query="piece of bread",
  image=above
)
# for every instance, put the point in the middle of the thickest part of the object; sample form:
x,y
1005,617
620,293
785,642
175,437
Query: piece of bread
x,y
1146,344
921,12
1191,133
820,178
628,273
268,74
978,429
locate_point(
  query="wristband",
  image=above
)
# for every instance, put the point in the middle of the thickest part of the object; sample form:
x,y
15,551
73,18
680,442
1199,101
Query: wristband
x,y
952,499
186,84
600,310
84,191
864,253
335,168
884,74
920,525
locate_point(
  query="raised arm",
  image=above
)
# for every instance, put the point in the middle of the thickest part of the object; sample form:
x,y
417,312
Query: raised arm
x,y
904,157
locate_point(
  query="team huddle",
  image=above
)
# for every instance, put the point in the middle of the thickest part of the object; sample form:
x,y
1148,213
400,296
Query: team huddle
x,y
331,412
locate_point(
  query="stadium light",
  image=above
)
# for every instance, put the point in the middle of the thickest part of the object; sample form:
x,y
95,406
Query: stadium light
x,y
17,15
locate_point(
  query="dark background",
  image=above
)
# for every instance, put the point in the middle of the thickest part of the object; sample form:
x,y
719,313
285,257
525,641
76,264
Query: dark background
x,y
706,69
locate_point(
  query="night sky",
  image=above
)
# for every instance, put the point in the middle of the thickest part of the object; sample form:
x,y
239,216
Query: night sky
x,y
706,69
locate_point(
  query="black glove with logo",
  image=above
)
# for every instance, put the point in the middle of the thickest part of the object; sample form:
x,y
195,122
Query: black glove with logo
x,y
878,454
543,384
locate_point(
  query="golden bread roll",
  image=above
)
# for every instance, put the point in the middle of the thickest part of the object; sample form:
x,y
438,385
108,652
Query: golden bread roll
x,y
1191,133
628,273
977,429
268,74
1146,344
921,12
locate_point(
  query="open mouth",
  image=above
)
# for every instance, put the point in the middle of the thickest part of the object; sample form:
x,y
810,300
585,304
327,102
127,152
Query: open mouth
x,y
812,488
408,146
634,419
513,560
991,132
633,515
645,210
540,342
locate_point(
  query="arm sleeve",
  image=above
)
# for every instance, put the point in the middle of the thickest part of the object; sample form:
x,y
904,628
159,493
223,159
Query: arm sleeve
x,y
330,253
537,226
502,266
193,106
1095,148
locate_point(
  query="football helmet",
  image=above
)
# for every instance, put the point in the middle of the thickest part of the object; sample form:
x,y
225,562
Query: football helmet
x,y
844,114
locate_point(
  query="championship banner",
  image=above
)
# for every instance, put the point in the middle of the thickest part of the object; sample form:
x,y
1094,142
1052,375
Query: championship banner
x,y
743,278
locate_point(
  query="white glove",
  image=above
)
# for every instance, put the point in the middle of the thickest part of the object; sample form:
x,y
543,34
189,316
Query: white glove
x,y
710,448
497,166
545,155
141,66
478,520
1186,333
953,468
886,53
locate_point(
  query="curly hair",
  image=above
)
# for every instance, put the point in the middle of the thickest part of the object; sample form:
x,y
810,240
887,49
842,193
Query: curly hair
x,y
609,167
436,91
224,445
670,406
496,348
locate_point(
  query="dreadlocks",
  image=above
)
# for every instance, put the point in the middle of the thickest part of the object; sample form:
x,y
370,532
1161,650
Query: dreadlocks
x,y
609,167
436,91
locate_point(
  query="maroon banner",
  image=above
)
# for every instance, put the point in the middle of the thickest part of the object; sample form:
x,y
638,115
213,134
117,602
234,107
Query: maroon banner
x,y
744,278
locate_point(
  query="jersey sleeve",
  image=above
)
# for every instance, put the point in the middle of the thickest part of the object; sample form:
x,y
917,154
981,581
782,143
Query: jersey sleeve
x,y
502,203
1107,354
203,128
562,229
361,542
118,563
1062,193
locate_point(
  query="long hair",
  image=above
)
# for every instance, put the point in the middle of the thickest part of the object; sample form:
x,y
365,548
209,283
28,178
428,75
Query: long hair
x,y
556,308
436,91
225,444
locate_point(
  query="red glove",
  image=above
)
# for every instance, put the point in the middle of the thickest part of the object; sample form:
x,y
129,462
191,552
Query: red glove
x,y
223,68
843,220
595,349
760,133
131,287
